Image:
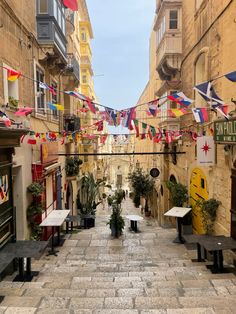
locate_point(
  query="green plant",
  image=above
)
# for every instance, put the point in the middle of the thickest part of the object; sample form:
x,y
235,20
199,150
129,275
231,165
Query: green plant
x,y
87,204
72,166
35,188
142,185
34,209
178,193
13,103
36,231
208,211
116,221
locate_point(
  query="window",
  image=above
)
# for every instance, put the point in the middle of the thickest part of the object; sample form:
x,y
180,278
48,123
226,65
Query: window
x,y
59,14
54,101
83,34
161,30
40,93
173,19
84,79
43,6
200,76
11,90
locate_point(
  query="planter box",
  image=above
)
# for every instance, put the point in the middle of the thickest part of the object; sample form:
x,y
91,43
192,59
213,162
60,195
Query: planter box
x,y
87,221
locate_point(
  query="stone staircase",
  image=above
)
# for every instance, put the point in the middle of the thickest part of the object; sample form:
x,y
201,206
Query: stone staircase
x,y
140,273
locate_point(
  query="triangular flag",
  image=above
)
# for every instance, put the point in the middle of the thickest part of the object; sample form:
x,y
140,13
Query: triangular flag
x,y
99,125
231,76
24,111
223,110
200,115
71,4
32,139
136,126
152,107
12,75
90,105
158,137
178,112
59,107
181,99
103,139
169,137
150,133
51,106
144,128
207,91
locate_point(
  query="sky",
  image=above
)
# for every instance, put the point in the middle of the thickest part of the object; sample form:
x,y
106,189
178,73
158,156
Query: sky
x,y
120,49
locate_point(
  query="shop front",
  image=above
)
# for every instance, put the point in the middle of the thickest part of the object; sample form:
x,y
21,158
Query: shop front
x,y
225,135
48,173
9,139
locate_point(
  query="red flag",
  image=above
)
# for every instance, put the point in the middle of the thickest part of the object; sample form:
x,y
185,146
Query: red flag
x,y
12,75
99,125
103,139
71,4
23,111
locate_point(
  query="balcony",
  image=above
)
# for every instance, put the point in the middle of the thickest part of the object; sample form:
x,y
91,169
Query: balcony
x,y
169,56
71,123
85,51
51,31
71,73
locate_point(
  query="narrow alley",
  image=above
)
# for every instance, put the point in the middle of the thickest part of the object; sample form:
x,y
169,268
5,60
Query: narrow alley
x,y
142,272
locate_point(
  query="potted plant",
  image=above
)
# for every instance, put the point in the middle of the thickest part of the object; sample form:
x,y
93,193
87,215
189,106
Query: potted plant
x,y
72,166
35,188
116,221
142,185
178,197
35,209
208,211
88,203
13,103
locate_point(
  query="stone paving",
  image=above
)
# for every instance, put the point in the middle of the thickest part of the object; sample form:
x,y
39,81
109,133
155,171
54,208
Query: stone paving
x,y
139,273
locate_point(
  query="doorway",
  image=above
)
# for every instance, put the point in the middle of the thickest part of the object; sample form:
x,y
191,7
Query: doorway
x,y
198,191
233,204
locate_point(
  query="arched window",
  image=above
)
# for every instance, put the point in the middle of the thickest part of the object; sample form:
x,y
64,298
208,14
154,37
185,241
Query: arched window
x,y
173,179
201,75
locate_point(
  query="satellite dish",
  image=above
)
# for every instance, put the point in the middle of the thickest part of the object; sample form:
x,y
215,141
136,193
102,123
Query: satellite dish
x,y
154,172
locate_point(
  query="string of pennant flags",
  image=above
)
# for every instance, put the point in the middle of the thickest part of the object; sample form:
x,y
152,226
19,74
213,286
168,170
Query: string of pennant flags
x,y
127,117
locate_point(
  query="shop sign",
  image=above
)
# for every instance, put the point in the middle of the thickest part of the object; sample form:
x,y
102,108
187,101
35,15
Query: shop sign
x,y
205,151
49,153
225,131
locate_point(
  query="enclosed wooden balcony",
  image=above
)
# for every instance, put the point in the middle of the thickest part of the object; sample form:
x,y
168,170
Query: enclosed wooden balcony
x,y
169,56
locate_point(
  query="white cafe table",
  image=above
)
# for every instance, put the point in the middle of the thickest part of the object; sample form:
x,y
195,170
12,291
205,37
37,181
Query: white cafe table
x,y
179,213
133,221
55,219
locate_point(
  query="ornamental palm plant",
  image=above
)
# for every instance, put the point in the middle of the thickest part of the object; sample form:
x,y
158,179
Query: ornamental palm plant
x,y
90,190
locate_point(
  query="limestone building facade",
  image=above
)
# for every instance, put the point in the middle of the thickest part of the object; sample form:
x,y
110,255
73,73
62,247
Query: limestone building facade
x,y
194,44
42,41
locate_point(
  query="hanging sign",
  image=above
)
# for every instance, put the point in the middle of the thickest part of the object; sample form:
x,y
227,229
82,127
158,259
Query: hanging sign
x,y
205,151
154,172
225,131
